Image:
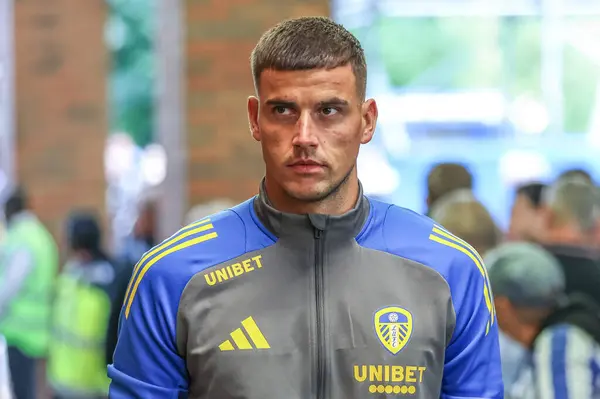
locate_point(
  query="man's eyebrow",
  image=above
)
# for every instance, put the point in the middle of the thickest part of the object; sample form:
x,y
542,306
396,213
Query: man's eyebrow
x,y
281,103
333,101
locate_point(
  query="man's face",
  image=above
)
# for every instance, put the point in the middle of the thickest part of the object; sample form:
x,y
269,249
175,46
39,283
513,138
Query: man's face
x,y
524,220
508,320
310,125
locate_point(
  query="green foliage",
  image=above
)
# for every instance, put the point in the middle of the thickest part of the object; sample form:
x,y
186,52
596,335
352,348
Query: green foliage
x,y
473,53
129,33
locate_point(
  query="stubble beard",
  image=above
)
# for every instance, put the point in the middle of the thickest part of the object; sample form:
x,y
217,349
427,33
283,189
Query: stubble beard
x,y
331,191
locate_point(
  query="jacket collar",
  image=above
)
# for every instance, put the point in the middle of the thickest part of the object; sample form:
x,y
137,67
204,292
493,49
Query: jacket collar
x,y
283,224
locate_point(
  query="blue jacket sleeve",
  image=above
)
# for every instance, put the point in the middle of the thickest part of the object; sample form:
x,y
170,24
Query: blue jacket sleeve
x,y
146,360
472,366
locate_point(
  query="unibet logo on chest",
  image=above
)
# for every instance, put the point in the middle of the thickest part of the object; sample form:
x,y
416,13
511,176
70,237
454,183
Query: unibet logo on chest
x,y
390,379
234,270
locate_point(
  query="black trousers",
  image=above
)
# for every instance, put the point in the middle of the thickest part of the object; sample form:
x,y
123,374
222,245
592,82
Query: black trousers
x,y
23,373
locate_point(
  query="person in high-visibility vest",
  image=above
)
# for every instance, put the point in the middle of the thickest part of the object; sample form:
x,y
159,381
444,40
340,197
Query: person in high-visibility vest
x,y
77,362
28,267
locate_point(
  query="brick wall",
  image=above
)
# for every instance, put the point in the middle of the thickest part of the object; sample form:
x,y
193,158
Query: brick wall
x,y
223,159
61,120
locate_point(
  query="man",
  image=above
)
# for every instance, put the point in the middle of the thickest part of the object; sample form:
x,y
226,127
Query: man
x,y
464,216
77,361
559,336
567,229
525,213
28,266
444,178
310,289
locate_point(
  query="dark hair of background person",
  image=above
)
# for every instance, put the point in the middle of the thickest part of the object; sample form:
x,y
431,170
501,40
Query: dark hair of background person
x,y
84,233
443,178
16,202
576,172
309,43
533,192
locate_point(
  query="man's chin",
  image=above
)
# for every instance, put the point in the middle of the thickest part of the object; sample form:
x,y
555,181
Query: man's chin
x,y
307,192
308,196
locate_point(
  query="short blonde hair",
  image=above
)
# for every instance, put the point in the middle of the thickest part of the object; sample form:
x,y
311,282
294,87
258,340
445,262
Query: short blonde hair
x,y
466,217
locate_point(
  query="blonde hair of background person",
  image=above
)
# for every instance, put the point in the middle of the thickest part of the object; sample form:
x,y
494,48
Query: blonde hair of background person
x,y
201,211
569,212
466,217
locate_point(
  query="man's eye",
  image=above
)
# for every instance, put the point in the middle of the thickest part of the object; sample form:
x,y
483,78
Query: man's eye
x,y
327,111
281,110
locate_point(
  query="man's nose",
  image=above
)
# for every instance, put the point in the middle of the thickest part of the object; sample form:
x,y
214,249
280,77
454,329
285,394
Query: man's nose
x,y
306,133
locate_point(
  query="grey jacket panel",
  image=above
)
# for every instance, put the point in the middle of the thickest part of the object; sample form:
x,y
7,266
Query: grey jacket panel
x,y
253,328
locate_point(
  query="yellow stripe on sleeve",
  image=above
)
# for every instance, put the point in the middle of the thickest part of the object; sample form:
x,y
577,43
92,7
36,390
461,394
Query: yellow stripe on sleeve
x,y
475,258
178,236
158,257
447,234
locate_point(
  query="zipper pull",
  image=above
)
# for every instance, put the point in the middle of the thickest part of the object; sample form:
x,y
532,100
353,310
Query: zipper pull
x,y
318,233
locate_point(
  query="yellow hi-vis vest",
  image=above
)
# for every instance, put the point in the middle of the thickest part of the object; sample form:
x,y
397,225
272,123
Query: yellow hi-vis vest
x,y
77,361
26,322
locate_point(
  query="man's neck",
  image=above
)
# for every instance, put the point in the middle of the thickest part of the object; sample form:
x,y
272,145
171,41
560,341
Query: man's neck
x,y
337,203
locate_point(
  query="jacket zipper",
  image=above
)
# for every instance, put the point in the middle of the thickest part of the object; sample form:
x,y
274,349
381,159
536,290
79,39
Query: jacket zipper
x,y
320,336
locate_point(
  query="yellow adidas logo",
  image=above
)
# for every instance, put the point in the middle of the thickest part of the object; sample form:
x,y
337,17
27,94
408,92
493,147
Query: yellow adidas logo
x,y
241,341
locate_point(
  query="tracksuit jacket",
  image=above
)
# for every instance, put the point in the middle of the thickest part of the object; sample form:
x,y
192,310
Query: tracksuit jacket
x,y
254,303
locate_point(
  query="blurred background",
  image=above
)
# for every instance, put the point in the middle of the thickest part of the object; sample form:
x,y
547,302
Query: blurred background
x,y
134,110
106,99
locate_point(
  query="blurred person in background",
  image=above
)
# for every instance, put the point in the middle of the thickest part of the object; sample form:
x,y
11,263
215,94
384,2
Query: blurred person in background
x,y
466,217
525,213
28,267
559,334
567,229
577,173
140,241
202,211
296,292
143,234
77,360
443,178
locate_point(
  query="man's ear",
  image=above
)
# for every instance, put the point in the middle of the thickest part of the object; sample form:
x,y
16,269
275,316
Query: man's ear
x,y
369,117
253,108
